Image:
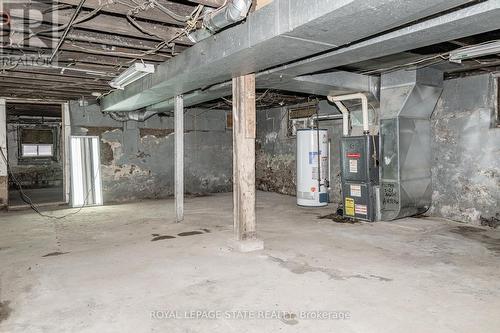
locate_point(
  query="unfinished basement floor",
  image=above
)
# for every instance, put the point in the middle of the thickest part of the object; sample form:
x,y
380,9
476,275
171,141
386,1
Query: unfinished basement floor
x,y
108,268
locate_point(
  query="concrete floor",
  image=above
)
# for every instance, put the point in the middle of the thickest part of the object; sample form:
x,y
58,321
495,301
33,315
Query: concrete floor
x,y
101,271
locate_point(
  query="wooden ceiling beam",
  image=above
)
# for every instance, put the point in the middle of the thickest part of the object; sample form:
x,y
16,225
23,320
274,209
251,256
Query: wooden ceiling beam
x,y
117,40
15,82
210,3
97,50
49,89
54,77
105,23
106,42
78,57
119,25
152,14
56,72
37,94
119,52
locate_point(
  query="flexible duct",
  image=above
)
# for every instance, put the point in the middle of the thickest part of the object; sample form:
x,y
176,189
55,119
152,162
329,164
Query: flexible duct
x,y
139,116
232,12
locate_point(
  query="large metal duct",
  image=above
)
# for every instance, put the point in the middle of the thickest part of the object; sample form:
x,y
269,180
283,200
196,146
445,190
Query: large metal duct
x,y
279,33
472,20
408,99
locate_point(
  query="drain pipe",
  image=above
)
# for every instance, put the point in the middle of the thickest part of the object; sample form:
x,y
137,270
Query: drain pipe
x,y
345,112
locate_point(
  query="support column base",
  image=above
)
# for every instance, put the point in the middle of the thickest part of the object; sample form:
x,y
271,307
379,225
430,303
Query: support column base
x,y
249,245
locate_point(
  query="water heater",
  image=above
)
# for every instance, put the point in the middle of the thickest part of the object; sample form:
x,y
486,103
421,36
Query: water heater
x,y
312,167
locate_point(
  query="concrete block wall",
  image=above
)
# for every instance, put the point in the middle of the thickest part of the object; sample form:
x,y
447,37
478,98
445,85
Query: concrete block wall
x,y
137,159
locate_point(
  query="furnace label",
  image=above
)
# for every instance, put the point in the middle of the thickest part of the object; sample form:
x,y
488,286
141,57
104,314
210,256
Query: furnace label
x,y
356,191
361,210
353,166
349,206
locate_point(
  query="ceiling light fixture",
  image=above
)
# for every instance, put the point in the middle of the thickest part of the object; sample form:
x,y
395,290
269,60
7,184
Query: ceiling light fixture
x,y
475,51
133,73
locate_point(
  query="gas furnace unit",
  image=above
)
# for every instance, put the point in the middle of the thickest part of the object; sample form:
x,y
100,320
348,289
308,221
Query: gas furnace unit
x,y
360,175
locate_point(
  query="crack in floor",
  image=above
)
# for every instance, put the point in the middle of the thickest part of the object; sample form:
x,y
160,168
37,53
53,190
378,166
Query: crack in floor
x,y
302,268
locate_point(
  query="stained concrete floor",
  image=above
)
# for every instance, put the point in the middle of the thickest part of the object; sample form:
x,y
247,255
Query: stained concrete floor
x,y
108,268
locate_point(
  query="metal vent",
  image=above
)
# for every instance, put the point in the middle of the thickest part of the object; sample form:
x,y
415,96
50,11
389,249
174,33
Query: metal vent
x,y
408,99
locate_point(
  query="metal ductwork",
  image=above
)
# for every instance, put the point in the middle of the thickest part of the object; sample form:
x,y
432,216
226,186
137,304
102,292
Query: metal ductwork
x,y
408,99
232,12
217,19
139,116
285,31
472,20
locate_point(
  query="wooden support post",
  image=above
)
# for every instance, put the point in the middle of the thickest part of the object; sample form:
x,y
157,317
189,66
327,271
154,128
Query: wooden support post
x,y
4,177
179,158
244,163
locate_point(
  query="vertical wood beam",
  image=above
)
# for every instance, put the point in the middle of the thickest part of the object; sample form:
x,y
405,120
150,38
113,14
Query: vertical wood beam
x,y
65,144
179,158
244,157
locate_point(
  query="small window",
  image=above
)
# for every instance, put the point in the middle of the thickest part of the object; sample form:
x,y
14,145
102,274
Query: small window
x,y
35,150
298,117
36,143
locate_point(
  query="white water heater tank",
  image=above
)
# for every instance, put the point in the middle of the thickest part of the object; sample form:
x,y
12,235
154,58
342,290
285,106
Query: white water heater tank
x,y
312,167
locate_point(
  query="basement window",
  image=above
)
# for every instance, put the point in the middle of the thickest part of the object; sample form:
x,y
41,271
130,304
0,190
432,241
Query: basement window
x,y
36,143
30,150
298,118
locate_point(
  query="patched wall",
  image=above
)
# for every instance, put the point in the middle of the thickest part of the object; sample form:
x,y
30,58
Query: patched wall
x,y
137,159
466,152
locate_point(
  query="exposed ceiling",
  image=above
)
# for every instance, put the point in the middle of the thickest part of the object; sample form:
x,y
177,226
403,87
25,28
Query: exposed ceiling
x,y
30,110
106,37
437,56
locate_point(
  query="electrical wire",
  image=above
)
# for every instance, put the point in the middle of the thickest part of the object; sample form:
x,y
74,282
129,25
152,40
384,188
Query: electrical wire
x,y
30,202
64,26
190,25
116,53
68,28
441,56
170,13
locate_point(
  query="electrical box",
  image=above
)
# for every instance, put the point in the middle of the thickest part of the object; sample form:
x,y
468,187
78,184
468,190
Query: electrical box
x,y
360,176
